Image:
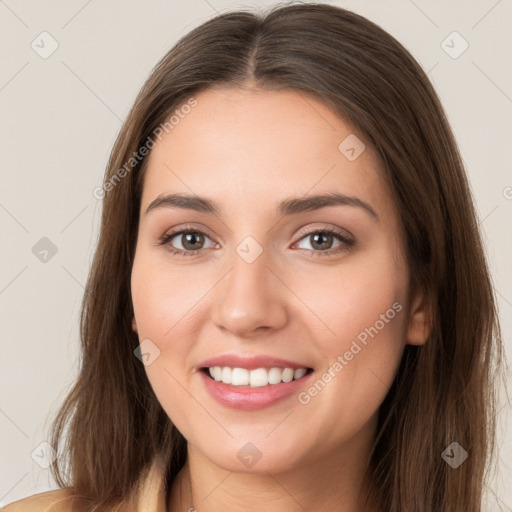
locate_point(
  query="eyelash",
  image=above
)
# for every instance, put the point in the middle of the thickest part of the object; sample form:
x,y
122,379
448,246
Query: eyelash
x,y
348,243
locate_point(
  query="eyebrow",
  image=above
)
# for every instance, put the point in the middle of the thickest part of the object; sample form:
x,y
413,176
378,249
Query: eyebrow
x,y
287,207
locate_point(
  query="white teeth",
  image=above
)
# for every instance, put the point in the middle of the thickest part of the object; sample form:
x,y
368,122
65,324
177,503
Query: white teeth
x,y
258,377
225,376
255,378
239,377
297,374
274,375
287,375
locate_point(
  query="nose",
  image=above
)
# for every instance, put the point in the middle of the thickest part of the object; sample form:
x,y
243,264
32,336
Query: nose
x,y
251,298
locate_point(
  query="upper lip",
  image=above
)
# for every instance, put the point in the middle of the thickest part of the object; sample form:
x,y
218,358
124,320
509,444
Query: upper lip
x,y
250,362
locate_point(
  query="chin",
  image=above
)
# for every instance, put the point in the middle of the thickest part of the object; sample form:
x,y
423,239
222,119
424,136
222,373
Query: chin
x,y
256,457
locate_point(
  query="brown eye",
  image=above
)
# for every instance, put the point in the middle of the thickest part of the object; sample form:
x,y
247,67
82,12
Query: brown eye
x,y
192,241
321,241
188,241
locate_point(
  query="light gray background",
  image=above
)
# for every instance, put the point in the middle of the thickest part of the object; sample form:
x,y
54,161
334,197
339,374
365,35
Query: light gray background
x,y
60,116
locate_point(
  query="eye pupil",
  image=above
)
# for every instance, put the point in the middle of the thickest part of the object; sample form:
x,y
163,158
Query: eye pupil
x,y
322,245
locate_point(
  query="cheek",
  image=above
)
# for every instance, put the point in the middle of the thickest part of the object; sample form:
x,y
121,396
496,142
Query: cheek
x,y
162,299
365,311
347,299
161,302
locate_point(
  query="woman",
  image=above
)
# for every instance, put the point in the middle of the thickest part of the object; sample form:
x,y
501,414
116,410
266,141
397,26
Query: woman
x,y
330,339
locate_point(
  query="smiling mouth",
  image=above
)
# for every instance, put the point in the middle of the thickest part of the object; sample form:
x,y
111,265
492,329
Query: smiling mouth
x,y
258,377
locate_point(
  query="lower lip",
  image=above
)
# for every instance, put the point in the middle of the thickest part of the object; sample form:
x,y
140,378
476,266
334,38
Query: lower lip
x,y
247,398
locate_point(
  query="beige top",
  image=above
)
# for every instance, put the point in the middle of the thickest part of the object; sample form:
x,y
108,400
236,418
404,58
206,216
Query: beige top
x,y
149,497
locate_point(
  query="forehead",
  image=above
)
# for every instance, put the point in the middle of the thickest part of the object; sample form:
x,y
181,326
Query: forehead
x,y
249,147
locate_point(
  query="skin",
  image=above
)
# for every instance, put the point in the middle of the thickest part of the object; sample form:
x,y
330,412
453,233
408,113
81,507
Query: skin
x,y
247,150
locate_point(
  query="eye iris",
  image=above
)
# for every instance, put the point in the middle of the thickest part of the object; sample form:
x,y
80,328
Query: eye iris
x,y
190,237
321,245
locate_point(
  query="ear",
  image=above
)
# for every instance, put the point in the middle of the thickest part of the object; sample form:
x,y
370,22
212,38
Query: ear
x,y
418,329
134,325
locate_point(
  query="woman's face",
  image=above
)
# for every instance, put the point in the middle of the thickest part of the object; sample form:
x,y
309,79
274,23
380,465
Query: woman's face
x,y
260,286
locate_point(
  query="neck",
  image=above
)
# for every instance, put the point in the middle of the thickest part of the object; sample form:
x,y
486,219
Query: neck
x,y
335,481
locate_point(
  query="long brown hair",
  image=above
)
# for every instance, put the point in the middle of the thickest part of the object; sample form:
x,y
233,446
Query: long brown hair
x,y
443,392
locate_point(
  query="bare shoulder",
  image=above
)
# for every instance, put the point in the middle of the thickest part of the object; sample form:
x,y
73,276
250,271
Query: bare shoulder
x,y
59,500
